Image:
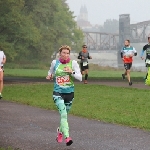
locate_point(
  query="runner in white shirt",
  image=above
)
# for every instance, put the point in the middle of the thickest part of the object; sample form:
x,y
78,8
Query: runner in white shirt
x,y
2,62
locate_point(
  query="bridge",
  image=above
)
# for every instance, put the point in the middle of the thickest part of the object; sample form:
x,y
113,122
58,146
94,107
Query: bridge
x,y
110,41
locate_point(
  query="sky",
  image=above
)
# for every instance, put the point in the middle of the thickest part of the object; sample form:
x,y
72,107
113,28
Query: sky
x,y
100,10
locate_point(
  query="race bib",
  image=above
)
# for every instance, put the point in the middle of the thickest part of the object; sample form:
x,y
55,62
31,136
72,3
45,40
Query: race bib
x,y
147,61
63,80
85,63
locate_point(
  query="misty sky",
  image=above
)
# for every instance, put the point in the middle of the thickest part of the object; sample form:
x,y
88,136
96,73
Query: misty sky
x,y
100,10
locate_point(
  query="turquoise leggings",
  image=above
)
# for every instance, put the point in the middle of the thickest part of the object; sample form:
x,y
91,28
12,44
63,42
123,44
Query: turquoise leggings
x,y
63,102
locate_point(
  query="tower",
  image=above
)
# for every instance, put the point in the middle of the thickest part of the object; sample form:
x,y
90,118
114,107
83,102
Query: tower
x,y
83,13
124,33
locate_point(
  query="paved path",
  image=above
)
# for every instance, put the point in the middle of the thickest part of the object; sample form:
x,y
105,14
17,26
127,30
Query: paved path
x,y
29,128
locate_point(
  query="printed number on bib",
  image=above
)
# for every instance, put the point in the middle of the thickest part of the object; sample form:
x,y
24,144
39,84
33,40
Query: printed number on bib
x,y
147,61
85,63
63,80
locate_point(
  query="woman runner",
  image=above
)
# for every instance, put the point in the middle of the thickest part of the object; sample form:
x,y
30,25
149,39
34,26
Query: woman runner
x,y
64,70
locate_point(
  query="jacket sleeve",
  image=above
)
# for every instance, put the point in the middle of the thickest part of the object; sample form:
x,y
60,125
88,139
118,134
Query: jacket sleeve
x,y
76,69
80,56
51,70
134,51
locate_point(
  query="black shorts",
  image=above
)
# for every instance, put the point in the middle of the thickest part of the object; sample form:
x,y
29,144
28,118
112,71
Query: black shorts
x,y
67,97
83,68
127,66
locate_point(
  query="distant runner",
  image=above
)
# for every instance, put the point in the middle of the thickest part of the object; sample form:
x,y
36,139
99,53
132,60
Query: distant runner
x,y
84,56
127,54
146,49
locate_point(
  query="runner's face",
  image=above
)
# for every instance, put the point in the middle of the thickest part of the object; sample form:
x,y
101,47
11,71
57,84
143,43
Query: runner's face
x,y
149,40
84,47
126,43
65,53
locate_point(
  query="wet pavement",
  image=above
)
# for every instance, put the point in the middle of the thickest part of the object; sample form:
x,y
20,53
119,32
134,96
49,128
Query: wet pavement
x,y
29,128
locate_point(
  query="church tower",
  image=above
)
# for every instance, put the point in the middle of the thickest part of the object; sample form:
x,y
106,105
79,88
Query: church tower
x,y
83,13
82,19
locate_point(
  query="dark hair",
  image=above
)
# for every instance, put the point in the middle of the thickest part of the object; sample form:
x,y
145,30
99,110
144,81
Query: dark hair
x,y
84,46
128,41
148,37
64,47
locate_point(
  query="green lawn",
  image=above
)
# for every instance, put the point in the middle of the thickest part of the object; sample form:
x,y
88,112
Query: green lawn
x,y
126,106
43,73
7,148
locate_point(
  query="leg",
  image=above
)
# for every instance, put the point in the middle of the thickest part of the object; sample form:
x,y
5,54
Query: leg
x,y
129,65
1,81
86,73
82,69
86,76
128,75
59,101
125,73
147,66
68,101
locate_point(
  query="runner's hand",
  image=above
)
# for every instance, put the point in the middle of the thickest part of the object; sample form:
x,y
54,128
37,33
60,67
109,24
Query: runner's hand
x,y
68,69
142,58
131,55
90,57
82,57
49,77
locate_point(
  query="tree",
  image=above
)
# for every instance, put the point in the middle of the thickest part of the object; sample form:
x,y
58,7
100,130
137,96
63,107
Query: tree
x,y
33,30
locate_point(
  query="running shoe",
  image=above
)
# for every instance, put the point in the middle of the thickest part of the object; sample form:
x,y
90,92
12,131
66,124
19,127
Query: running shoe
x,y
68,141
59,138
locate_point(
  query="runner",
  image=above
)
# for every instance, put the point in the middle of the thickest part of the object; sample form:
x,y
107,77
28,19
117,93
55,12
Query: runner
x,y
2,62
64,71
84,56
147,60
127,54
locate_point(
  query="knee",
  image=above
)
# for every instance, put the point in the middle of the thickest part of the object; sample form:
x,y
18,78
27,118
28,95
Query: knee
x,y
64,115
62,109
128,71
1,79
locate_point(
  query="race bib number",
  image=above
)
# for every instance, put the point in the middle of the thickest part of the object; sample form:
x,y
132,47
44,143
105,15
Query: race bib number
x,y
147,61
85,63
63,80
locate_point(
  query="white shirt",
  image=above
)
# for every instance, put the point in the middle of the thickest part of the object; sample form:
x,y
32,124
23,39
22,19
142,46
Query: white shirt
x,y
2,56
75,67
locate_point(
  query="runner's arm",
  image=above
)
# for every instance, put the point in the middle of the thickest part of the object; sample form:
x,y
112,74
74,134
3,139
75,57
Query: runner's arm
x,y
134,51
51,70
80,56
76,71
89,57
142,52
121,53
4,59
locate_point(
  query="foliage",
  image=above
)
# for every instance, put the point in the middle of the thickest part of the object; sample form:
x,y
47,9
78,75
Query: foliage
x,y
34,30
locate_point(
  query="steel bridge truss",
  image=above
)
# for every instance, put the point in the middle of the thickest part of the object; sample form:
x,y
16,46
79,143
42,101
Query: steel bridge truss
x,y
99,41
109,41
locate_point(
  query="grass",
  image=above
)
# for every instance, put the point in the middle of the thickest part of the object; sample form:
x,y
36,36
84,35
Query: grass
x,y
9,148
103,74
125,106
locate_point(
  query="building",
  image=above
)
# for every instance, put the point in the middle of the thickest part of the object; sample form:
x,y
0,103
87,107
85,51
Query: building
x,y
82,19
